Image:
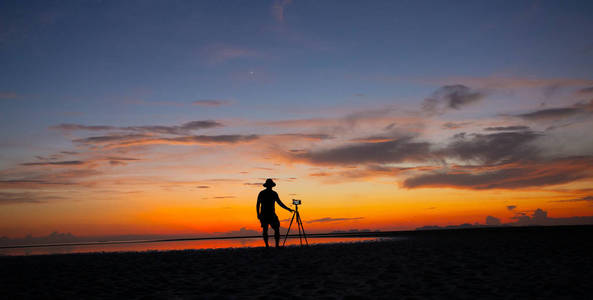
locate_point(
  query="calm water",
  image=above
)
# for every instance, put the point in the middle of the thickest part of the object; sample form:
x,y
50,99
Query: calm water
x,y
178,245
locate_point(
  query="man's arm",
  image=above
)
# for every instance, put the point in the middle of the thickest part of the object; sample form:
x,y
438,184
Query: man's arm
x,y
257,207
282,204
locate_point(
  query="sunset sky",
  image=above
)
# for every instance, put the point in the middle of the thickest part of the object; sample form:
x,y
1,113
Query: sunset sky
x,y
165,117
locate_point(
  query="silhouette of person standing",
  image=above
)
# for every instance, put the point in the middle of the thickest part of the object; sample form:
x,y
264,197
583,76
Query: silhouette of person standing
x,y
266,211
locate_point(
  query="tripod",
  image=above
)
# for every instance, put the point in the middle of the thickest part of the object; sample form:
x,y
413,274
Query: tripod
x,y
299,226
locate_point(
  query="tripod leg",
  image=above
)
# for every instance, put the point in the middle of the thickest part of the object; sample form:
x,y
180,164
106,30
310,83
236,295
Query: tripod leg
x,y
303,228
288,230
299,227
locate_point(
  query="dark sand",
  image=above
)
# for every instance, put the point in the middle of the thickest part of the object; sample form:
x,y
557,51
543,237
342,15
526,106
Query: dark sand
x,y
509,263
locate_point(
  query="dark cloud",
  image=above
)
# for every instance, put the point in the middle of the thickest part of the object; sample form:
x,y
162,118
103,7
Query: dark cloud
x,y
113,160
224,197
540,217
397,150
370,171
507,128
507,158
451,97
241,232
455,125
511,207
330,219
121,158
128,140
46,178
22,183
581,108
492,221
509,176
102,139
24,198
372,139
492,148
583,199
182,129
53,238
214,139
55,163
72,127
69,152
310,136
211,102
120,161
551,114
203,186
587,90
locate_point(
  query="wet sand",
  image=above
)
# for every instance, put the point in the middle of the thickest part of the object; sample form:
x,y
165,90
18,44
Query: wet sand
x,y
509,263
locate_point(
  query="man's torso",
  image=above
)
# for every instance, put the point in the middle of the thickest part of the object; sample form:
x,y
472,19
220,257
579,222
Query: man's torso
x,y
267,199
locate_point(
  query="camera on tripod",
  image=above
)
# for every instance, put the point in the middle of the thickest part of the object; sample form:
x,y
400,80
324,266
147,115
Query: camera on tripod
x,y
297,216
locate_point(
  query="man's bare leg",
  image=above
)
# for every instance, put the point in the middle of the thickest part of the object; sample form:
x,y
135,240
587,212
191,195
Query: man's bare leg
x,y
265,234
277,236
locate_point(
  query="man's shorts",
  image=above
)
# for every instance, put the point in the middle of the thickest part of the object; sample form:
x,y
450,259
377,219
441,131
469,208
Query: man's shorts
x,y
270,220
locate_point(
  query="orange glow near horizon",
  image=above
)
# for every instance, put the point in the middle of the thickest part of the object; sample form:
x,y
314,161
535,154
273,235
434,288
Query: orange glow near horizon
x,y
184,209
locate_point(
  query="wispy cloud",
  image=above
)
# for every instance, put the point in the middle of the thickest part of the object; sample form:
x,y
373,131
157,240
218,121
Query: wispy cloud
x,y
221,53
330,219
8,95
278,8
211,102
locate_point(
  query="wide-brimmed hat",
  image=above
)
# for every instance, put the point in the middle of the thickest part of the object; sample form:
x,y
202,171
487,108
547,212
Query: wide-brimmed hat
x,y
269,183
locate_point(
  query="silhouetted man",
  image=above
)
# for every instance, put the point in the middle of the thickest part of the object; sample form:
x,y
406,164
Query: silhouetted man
x,y
266,210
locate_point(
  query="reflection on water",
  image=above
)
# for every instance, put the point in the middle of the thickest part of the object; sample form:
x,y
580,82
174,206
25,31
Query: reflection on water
x,y
178,245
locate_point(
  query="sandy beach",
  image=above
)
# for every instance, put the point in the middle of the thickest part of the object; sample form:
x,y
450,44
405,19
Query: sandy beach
x,y
509,263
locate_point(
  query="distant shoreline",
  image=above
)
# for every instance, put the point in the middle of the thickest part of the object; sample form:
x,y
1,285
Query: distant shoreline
x,y
345,234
